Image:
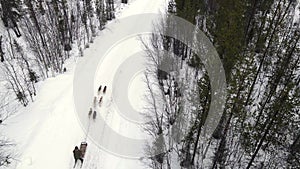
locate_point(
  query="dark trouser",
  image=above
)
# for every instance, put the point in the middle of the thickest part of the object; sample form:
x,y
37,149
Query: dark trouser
x,y
76,159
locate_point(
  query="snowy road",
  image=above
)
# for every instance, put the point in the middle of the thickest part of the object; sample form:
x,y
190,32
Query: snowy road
x,y
47,130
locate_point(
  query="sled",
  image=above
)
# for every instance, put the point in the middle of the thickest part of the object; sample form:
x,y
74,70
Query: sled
x,y
83,146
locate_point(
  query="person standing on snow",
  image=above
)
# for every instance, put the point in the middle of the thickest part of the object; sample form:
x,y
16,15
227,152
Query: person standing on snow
x,y
77,156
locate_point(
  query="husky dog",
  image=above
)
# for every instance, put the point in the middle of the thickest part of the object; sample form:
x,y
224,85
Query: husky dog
x,y
99,89
100,100
95,102
104,89
94,114
90,112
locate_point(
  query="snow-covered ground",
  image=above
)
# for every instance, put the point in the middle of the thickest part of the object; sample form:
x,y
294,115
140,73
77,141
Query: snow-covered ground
x,y
47,130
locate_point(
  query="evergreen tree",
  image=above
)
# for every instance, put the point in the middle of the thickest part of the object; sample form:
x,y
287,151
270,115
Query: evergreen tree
x,y
11,14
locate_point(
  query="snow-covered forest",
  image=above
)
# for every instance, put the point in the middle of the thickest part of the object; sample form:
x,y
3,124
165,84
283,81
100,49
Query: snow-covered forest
x,y
37,37
257,41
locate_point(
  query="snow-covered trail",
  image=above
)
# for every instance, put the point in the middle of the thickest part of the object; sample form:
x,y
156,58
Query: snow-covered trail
x,y
100,69
47,130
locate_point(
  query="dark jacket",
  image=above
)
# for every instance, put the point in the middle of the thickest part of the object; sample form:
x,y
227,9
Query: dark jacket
x,y
77,153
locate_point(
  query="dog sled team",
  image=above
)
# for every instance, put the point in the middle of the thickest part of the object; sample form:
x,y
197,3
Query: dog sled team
x,y
78,153
97,101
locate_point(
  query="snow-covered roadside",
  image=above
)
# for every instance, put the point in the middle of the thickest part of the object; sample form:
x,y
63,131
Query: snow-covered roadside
x,y
47,131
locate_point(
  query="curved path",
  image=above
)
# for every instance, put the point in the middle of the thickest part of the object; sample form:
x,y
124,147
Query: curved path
x,y
112,59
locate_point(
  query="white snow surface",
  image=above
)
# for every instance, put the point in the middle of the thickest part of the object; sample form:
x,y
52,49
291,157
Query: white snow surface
x,y
47,130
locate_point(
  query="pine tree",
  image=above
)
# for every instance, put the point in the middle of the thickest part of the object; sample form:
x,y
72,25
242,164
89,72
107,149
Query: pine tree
x,y
11,14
